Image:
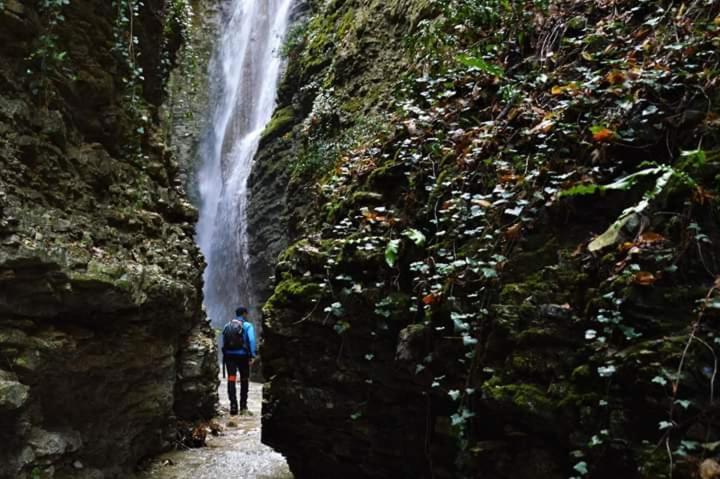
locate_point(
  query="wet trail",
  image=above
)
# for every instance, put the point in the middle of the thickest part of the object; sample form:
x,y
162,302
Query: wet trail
x,y
236,454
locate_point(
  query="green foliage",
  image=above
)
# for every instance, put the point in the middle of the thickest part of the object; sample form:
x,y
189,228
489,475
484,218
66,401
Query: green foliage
x,y
127,49
127,44
314,158
480,64
613,233
294,39
323,147
47,61
178,23
415,236
391,252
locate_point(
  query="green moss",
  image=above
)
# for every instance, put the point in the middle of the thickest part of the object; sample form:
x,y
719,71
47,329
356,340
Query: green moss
x,y
346,23
516,293
366,198
280,122
538,336
533,362
320,38
527,397
293,291
354,104
101,276
581,372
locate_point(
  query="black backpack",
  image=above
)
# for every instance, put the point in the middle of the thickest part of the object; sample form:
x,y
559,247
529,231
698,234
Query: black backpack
x,y
234,335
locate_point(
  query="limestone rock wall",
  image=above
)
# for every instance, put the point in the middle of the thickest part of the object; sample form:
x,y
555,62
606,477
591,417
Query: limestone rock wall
x,y
185,111
103,342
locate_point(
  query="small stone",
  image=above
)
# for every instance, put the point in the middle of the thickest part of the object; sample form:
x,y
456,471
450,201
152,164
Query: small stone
x,y
13,395
46,443
78,465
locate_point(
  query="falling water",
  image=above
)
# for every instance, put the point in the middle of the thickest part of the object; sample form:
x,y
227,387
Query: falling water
x,y
244,74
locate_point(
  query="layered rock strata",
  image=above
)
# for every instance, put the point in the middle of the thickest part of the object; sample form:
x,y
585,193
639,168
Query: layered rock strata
x,y
103,341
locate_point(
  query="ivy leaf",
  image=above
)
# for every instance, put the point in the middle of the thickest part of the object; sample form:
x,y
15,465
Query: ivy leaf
x,y
659,380
664,425
414,235
481,64
581,467
489,273
391,252
341,326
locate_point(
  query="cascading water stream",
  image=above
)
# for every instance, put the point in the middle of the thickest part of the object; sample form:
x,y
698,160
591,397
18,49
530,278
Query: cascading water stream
x,y
244,75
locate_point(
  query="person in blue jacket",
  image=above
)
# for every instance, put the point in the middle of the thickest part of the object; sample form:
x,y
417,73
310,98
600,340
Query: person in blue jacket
x,y
238,350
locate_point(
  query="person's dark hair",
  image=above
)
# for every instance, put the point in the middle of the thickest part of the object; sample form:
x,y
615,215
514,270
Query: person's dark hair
x,y
241,311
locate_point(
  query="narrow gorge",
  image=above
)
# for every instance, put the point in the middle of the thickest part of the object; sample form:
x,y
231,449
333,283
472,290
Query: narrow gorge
x,y
477,238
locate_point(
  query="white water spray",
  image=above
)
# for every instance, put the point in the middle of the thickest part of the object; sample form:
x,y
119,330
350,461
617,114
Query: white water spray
x,y
244,75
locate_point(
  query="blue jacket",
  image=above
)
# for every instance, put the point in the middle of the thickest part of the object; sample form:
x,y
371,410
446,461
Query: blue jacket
x,y
249,347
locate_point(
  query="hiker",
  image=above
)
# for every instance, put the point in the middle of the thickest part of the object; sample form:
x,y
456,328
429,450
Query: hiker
x,y
238,354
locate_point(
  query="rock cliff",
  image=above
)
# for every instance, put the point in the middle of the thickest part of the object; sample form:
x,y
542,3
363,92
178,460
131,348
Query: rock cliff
x,y
502,222
103,342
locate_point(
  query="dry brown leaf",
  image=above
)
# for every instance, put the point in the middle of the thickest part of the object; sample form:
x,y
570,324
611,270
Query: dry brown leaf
x,y
431,299
644,278
483,203
510,178
570,88
650,238
603,134
578,250
513,232
615,77
701,196
625,247
543,127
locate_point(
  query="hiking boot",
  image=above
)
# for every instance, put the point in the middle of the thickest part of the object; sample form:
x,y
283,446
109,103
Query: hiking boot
x,y
233,411
246,412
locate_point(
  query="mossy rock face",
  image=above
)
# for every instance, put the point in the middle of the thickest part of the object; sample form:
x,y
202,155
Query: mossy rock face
x,y
520,347
281,121
293,291
99,272
528,397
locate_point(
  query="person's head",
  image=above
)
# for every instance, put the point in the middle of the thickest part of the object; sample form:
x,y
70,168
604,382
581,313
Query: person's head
x,y
241,311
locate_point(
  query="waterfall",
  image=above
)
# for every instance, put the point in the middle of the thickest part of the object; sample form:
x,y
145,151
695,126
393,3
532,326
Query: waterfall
x,y
244,75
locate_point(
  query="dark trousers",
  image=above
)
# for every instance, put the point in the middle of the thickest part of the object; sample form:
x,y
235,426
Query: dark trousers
x,y
238,365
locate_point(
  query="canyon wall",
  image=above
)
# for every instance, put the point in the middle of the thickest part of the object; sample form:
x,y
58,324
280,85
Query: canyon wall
x,y
103,341
496,250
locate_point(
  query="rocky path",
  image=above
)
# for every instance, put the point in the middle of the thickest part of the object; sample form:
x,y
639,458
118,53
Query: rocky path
x,y
236,454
